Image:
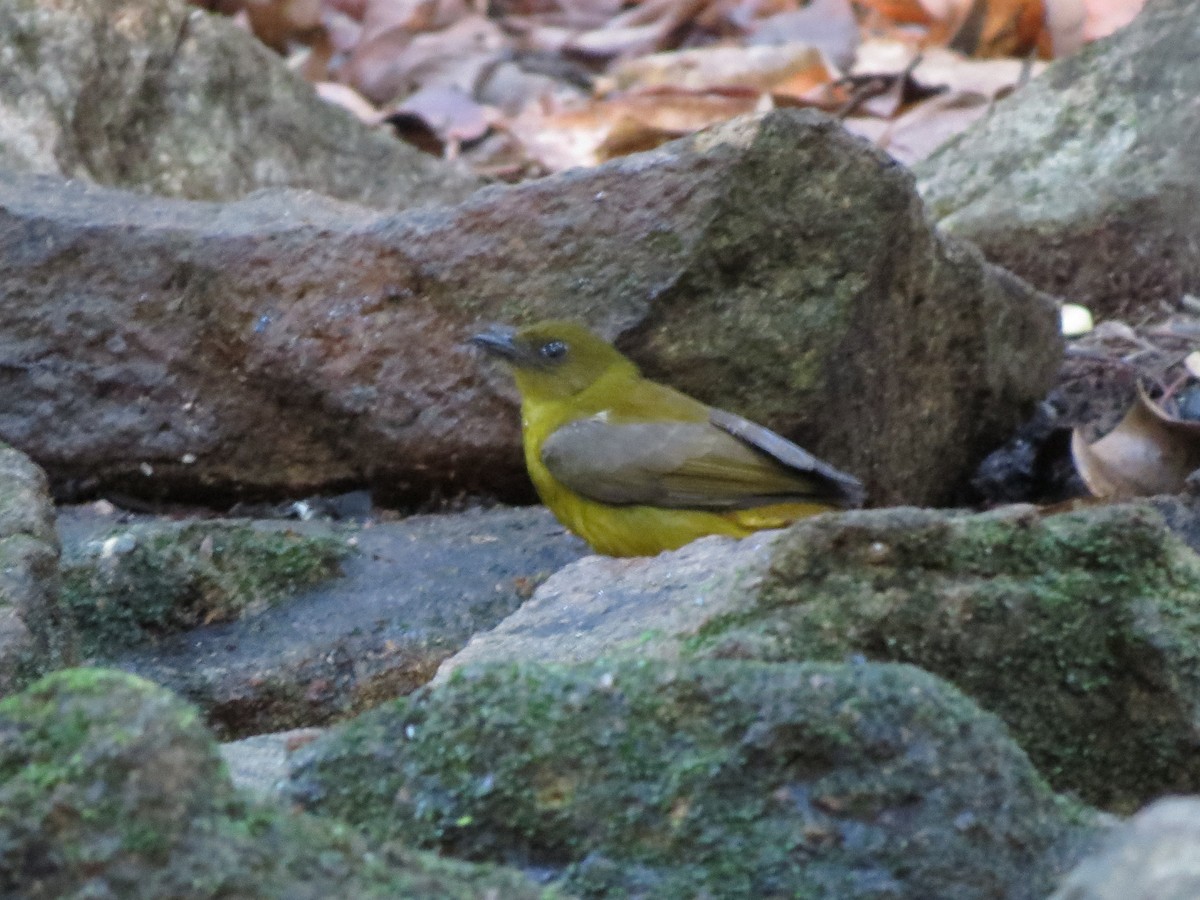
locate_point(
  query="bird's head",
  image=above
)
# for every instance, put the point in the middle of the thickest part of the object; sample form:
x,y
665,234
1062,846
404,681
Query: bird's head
x,y
553,360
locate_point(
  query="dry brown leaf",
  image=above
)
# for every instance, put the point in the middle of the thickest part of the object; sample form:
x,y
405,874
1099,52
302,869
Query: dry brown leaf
x,y
902,12
802,84
449,113
737,18
375,68
706,68
1148,453
607,42
344,32
916,133
984,28
990,77
279,23
397,64
412,16
990,28
561,139
642,29
629,135
348,98
355,9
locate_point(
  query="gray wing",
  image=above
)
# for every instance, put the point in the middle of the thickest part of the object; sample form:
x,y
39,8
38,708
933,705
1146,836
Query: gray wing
x,y
725,464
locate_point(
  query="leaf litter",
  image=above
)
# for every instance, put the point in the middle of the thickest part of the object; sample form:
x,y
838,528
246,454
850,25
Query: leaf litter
x,y
521,88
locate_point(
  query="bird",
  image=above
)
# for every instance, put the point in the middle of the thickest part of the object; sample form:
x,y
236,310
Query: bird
x,y
635,467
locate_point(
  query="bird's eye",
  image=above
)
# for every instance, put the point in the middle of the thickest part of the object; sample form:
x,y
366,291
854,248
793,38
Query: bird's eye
x,y
553,350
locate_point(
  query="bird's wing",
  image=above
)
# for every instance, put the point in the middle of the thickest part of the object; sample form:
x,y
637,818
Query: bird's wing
x,y
847,489
726,463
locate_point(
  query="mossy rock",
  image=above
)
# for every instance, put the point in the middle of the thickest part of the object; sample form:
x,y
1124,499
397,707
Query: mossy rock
x,y
1080,630
111,787
712,778
140,582
36,634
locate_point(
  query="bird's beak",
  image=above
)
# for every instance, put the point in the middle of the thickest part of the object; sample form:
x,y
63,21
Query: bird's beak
x,y
501,341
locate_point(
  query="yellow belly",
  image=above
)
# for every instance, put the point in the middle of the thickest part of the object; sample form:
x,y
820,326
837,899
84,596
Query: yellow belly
x,y
649,530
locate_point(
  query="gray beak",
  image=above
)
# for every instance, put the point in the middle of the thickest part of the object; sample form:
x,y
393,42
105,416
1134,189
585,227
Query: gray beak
x,y
501,341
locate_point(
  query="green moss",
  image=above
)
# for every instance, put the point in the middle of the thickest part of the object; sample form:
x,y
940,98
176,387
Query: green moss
x,y
717,778
110,786
144,582
1082,631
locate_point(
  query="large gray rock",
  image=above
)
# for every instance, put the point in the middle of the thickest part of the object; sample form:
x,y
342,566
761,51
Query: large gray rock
x,y
35,633
111,787
1154,856
705,779
1084,181
774,266
157,96
1080,630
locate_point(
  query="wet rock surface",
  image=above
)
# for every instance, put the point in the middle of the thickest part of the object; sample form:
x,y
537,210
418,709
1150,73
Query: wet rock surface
x,y
409,594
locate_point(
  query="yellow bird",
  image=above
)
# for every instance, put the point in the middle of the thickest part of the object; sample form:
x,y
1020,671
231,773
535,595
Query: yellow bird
x,y
634,467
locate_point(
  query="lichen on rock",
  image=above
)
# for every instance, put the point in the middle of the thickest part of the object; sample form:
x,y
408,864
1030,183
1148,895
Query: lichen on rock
x,y
144,581
713,778
112,787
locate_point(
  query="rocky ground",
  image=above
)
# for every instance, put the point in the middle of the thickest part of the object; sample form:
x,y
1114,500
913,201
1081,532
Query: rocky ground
x,y
922,699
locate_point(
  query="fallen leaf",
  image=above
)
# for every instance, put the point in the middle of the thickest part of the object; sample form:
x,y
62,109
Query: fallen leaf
x,y
411,16
607,42
349,99
902,12
279,23
984,28
758,68
644,28
1066,25
1148,453
1103,17
915,134
397,64
828,25
599,129
993,78
446,112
